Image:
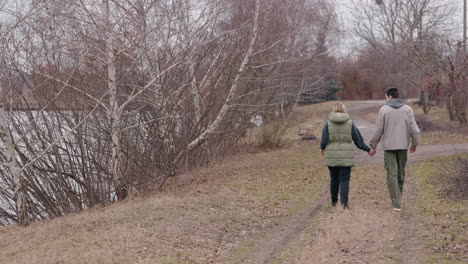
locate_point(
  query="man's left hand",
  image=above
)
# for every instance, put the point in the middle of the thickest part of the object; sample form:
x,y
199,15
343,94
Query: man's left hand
x,y
412,150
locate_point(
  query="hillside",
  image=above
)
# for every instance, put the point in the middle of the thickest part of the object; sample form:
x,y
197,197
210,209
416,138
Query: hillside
x,y
257,207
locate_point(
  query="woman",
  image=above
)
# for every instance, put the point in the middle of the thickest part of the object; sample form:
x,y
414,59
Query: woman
x,y
337,136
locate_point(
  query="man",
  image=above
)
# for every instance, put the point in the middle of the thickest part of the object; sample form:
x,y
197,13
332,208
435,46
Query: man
x,y
396,127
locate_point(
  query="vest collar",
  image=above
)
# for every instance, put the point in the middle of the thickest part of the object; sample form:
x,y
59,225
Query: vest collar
x,y
338,118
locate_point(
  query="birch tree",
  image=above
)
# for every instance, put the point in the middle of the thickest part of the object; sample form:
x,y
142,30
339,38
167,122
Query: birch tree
x,y
13,18
113,97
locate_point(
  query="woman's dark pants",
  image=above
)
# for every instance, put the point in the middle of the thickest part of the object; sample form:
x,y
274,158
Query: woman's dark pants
x,y
340,177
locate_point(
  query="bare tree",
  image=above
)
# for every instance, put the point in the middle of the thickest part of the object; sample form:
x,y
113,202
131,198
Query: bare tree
x,y
102,98
418,32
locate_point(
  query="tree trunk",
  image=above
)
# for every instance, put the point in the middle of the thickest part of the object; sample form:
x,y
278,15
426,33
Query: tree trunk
x,y
243,67
197,99
460,107
10,154
232,91
22,203
450,107
424,98
462,117
114,110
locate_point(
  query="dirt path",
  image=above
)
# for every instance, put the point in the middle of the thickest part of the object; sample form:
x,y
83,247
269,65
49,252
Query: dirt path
x,y
409,238
275,243
368,233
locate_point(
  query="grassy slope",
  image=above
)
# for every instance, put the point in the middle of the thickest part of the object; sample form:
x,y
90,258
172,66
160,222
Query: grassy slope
x,y
446,220
210,214
440,116
218,214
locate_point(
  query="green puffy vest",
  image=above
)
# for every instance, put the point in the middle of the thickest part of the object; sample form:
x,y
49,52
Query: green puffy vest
x,y
339,151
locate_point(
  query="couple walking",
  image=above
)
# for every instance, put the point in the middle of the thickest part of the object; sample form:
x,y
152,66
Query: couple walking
x,y
395,127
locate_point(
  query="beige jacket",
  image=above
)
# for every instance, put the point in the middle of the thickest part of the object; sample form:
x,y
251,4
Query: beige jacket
x,y
395,127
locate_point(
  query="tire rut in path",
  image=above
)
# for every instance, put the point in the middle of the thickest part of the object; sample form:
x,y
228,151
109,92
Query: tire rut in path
x,y
279,238
411,244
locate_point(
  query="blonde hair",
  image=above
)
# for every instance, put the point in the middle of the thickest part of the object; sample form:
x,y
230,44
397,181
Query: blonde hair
x,y
339,107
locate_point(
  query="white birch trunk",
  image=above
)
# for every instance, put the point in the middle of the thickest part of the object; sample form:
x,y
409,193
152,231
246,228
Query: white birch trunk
x,y
232,91
197,100
10,154
115,113
225,108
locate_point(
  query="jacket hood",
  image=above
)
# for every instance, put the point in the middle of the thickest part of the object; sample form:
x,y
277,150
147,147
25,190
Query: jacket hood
x,y
338,118
396,103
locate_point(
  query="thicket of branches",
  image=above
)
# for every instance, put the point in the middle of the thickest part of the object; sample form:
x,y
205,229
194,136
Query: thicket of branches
x,y
100,98
454,178
413,45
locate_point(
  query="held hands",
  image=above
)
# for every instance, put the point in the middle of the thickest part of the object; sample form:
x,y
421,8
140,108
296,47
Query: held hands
x,y
322,152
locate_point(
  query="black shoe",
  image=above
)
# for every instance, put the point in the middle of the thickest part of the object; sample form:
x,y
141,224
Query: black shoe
x,y
334,203
345,206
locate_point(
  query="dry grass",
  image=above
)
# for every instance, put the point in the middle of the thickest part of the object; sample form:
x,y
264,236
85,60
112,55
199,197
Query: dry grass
x,y
446,220
438,114
454,178
443,137
303,116
202,217
222,207
272,134
368,233
311,116
450,132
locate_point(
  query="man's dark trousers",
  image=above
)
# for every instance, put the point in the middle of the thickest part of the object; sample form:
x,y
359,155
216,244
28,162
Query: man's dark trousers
x,y
340,177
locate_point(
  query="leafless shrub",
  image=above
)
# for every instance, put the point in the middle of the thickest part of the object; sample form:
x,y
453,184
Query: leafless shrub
x,y
101,98
426,125
454,178
272,134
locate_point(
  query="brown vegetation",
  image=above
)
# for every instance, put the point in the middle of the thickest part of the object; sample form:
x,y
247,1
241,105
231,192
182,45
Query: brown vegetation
x,y
412,45
454,178
103,98
444,216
